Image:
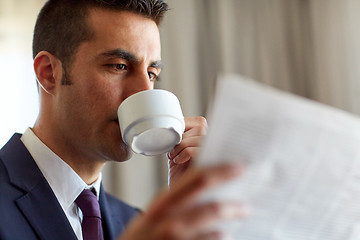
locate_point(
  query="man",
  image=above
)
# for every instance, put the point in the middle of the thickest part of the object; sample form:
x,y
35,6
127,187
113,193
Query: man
x,y
89,55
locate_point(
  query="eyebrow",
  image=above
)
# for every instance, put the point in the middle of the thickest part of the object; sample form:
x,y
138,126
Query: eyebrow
x,y
123,54
157,64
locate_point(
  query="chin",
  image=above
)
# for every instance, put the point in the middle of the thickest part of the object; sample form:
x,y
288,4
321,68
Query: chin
x,y
115,148
122,154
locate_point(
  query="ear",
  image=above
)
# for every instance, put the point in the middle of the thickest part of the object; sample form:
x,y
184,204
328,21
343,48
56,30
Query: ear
x,y
48,70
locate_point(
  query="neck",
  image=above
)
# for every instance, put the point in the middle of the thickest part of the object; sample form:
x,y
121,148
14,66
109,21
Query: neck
x,y
86,167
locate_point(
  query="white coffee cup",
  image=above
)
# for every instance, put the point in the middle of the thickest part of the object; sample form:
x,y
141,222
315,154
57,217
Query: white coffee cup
x,y
151,121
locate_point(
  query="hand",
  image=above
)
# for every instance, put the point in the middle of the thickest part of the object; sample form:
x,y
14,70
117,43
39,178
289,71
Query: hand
x,y
182,154
177,214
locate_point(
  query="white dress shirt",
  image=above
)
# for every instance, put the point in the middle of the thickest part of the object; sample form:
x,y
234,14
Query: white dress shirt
x,y
63,180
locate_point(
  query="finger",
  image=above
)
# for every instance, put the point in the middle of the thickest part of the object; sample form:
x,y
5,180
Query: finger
x,y
203,216
199,180
195,131
195,127
176,171
172,229
211,236
194,183
191,137
186,155
214,236
191,122
191,142
198,222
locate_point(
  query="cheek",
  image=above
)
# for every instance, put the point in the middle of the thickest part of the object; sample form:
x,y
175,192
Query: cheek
x,y
103,98
96,95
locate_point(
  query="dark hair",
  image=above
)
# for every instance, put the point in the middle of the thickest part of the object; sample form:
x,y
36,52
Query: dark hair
x,y
62,26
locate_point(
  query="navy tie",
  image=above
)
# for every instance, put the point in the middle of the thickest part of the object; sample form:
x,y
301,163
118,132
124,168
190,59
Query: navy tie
x,y
91,223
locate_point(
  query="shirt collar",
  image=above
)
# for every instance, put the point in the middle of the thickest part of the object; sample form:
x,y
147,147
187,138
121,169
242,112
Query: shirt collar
x,y
63,180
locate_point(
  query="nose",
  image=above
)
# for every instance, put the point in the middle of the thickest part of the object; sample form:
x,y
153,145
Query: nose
x,y
139,82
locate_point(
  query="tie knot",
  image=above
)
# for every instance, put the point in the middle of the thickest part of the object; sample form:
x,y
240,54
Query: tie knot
x,y
88,203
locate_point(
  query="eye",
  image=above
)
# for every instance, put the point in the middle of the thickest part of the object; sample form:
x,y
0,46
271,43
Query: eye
x,y
152,76
118,67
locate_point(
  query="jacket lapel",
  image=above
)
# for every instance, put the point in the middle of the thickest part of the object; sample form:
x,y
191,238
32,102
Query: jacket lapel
x,y
45,214
38,204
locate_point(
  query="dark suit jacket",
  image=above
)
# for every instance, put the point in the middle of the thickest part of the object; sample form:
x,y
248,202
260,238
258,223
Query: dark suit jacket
x,y
29,209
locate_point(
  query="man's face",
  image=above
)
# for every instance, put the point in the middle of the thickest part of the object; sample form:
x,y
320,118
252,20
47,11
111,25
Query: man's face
x,y
122,58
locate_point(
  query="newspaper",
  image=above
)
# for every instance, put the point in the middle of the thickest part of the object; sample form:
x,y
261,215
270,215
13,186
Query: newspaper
x,y
302,157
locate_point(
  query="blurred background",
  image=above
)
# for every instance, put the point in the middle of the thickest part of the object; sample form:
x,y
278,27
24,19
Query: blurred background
x,y
308,47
